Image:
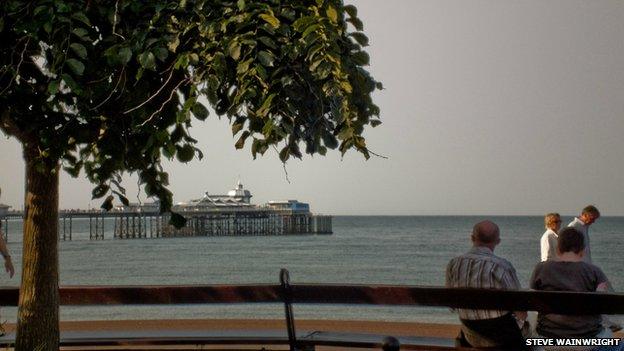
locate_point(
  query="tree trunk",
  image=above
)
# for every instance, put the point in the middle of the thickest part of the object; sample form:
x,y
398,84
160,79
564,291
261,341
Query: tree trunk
x,y
38,316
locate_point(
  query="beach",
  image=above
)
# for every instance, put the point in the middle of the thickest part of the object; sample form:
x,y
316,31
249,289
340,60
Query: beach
x,y
390,328
373,327
441,330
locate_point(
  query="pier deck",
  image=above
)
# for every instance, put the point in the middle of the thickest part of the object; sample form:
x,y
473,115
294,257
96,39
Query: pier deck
x,y
149,224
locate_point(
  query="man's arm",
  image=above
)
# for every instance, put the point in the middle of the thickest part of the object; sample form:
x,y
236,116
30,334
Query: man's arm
x,y
511,282
545,247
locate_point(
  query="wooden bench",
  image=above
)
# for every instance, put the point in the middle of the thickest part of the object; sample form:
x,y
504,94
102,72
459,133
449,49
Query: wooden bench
x,y
549,302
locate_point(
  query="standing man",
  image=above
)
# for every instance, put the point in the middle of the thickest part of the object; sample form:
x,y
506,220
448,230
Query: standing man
x,y
480,268
589,215
548,243
8,264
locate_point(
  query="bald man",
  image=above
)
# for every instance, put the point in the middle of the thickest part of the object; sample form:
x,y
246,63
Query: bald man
x,y
480,268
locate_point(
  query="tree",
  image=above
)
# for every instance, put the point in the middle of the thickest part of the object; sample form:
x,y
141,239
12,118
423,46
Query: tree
x,y
107,87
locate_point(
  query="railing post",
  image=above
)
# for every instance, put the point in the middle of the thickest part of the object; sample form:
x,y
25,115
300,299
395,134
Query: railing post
x,y
286,297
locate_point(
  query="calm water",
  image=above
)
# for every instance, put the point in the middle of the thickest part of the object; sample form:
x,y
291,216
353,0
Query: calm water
x,y
365,250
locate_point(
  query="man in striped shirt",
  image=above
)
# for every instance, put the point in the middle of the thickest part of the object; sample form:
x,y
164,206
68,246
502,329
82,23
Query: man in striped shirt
x,y
480,268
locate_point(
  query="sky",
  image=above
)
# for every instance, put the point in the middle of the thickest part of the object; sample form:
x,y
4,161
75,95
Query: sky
x,y
489,108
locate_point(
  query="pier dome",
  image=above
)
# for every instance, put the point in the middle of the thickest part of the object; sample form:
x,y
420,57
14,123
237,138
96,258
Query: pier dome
x,y
240,192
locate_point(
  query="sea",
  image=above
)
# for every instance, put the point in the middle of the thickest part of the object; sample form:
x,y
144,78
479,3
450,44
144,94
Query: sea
x,y
398,250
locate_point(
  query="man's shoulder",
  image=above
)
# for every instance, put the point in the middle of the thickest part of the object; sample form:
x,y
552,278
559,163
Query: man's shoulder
x,y
548,234
591,267
483,257
503,262
576,223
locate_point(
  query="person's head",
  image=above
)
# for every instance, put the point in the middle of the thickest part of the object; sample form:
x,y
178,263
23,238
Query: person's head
x,y
590,214
552,221
485,233
570,240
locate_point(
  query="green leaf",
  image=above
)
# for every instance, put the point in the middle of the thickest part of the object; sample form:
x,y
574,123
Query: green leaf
x,y
185,153
284,154
193,58
219,63
357,23
303,22
241,141
236,127
268,42
309,30
266,105
40,9
123,199
82,33
332,14
169,150
76,66
360,38
200,111
53,87
270,19
322,150
182,116
286,81
266,58
243,66
79,50
161,53
47,27
177,220
124,55
351,10
173,45
361,58
80,16
330,141
99,191
234,49
147,60
107,205
346,86
375,122
73,171
241,5
71,83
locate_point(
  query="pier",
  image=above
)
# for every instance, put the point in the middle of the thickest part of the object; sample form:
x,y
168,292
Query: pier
x,y
135,224
230,214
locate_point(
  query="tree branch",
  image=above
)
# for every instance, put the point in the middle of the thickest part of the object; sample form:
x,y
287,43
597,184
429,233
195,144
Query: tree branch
x,y
173,91
17,69
112,91
154,95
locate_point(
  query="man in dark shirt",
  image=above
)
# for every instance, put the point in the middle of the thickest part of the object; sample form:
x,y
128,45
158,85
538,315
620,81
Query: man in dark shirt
x,y
570,273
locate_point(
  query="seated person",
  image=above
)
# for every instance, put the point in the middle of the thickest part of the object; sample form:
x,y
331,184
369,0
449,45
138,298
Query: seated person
x,y
570,273
481,268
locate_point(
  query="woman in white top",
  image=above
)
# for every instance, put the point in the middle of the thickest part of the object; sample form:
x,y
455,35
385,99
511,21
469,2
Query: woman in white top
x,y
548,243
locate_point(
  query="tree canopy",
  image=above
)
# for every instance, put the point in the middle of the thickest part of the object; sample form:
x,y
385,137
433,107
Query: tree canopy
x,y
108,87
